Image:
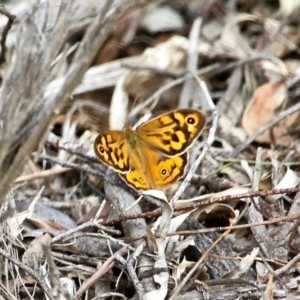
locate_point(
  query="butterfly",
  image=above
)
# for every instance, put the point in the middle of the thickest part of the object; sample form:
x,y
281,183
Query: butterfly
x,y
154,154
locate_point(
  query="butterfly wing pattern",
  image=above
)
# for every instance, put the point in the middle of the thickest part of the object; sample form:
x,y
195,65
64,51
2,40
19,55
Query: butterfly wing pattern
x,y
154,155
157,171
174,132
112,150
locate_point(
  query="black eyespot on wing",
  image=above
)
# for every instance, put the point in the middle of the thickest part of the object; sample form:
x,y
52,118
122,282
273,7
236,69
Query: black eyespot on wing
x,y
100,146
101,149
163,172
191,120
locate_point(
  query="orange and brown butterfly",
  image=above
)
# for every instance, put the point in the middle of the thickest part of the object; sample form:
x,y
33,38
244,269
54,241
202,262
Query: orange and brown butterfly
x,y
153,155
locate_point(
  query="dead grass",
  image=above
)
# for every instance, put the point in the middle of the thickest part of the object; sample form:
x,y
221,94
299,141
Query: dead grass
x,y
71,228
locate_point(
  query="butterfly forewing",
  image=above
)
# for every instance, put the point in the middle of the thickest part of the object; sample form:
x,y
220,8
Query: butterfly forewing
x,y
113,150
172,133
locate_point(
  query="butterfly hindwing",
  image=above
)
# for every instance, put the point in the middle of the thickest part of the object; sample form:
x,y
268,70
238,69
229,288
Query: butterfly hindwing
x,y
164,171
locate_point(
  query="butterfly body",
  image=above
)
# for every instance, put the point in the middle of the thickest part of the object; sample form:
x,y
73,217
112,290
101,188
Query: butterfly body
x,y
154,154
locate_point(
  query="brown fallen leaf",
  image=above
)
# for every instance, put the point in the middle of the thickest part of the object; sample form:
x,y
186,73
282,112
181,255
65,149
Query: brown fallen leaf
x,y
263,107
